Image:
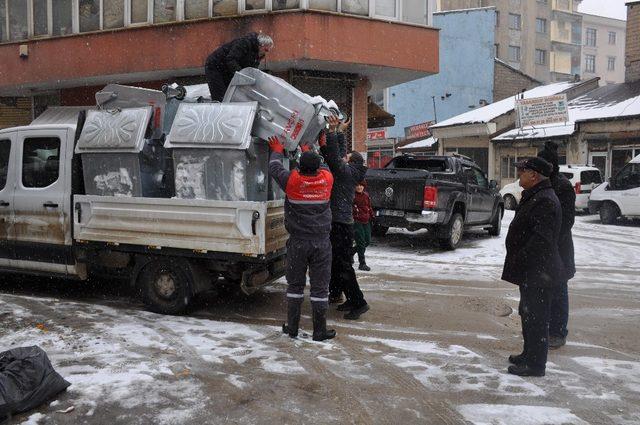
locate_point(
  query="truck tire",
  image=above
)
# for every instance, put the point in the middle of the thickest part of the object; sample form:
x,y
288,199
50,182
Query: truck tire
x,y
496,223
510,202
166,286
378,230
609,213
454,231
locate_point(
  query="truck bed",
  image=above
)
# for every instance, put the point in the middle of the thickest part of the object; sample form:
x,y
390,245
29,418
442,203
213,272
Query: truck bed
x,y
242,227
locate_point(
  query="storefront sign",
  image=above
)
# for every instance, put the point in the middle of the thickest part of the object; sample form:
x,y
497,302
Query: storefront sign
x,y
542,110
418,131
376,134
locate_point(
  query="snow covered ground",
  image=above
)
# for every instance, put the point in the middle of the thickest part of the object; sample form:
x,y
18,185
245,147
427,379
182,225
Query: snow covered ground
x,y
432,349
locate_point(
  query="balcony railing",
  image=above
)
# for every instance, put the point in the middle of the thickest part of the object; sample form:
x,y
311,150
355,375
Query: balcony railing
x,y
29,19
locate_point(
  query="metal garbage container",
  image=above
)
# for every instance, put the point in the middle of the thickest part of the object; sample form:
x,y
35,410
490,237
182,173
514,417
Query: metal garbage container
x,y
215,156
116,158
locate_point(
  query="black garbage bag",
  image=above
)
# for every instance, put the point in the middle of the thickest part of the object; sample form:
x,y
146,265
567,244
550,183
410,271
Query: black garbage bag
x,y
27,380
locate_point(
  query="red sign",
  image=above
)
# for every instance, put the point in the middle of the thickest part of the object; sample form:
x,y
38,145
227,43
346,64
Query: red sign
x,y
376,134
418,131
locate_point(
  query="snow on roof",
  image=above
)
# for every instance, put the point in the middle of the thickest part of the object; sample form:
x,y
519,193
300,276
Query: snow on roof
x,y
424,143
490,112
635,160
539,132
608,102
611,101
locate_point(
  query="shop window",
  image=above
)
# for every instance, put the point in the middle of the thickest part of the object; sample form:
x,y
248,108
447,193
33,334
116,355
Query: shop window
x,y
40,18
195,9
255,5
62,17
5,152
356,7
285,4
113,15
18,29
164,11
4,34
225,7
139,11
331,5
40,161
89,14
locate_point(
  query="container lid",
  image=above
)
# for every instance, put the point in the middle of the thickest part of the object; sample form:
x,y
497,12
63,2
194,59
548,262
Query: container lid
x,y
114,130
212,125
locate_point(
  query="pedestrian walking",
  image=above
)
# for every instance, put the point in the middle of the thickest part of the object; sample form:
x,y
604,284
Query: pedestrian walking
x,y
533,262
563,188
346,174
308,220
226,60
362,216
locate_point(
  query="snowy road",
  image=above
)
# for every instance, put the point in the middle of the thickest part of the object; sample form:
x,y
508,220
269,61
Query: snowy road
x,y
432,349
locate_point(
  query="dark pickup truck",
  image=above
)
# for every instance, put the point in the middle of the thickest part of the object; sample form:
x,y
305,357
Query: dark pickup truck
x,y
444,194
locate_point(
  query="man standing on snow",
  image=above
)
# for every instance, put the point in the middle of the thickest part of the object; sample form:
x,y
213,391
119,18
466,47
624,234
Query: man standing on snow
x,y
307,218
233,56
567,196
347,175
533,262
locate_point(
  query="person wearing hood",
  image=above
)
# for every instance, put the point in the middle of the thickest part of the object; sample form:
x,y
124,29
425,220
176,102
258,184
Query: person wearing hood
x,y
533,262
567,196
346,174
226,60
362,216
307,218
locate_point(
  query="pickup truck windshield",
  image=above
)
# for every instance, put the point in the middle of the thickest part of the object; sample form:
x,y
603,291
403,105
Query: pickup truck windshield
x,y
435,165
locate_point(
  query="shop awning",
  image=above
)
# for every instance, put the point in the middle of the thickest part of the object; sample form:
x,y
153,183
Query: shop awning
x,y
378,117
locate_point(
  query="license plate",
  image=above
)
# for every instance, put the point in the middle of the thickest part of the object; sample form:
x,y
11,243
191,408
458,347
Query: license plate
x,y
392,213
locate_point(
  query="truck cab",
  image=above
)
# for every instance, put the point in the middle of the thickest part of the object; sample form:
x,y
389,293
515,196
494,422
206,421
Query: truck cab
x,y
620,196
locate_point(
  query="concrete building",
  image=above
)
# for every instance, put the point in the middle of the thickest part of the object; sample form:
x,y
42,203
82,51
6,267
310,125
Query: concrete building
x,y
566,40
338,49
603,41
522,32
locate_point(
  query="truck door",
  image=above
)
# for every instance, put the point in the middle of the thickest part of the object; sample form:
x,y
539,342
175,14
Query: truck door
x,y
41,222
7,185
485,196
473,197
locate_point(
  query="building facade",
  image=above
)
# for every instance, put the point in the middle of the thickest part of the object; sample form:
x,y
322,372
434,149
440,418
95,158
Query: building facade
x,y
566,40
336,49
603,42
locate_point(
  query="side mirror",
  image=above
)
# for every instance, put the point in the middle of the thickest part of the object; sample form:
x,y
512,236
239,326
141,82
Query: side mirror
x,y
493,184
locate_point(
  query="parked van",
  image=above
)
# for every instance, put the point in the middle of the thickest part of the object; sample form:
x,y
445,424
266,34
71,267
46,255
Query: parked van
x,y
620,197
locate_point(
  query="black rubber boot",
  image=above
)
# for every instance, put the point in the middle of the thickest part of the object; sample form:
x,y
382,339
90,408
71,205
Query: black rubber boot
x,y
320,332
293,318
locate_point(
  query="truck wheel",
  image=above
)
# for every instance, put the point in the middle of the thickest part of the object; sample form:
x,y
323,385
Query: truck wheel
x,y
454,231
496,224
609,213
378,230
165,286
510,202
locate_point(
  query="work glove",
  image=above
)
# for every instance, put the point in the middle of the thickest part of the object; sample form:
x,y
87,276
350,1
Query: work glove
x,y
275,144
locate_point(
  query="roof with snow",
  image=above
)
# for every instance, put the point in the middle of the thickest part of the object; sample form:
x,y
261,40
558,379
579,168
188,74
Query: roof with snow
x,y
490,112
611,102
425,143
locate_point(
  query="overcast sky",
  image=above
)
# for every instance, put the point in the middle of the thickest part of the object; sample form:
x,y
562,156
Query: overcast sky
x,y
610,8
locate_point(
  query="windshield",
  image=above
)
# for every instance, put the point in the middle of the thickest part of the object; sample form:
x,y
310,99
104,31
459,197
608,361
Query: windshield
x,y
434,165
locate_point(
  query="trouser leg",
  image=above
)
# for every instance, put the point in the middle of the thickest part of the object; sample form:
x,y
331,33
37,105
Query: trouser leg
x,y
336,286
296,276
360,238
215,81
319,275
536,309
344,268
521,306
559,311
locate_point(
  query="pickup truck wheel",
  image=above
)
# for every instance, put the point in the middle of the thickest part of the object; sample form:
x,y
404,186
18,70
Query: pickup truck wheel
x,y
378,230
454,231
496,224
510,202
165,287
609,213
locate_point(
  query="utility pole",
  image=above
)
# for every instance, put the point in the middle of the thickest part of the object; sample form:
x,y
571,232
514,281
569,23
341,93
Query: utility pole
x,y
435,112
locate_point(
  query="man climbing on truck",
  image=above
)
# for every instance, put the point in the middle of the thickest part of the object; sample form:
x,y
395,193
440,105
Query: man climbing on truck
x,y
308,221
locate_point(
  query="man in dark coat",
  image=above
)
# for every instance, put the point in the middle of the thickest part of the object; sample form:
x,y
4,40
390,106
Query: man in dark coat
x,y
533,262
567,196
346,176
307,218
243,52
